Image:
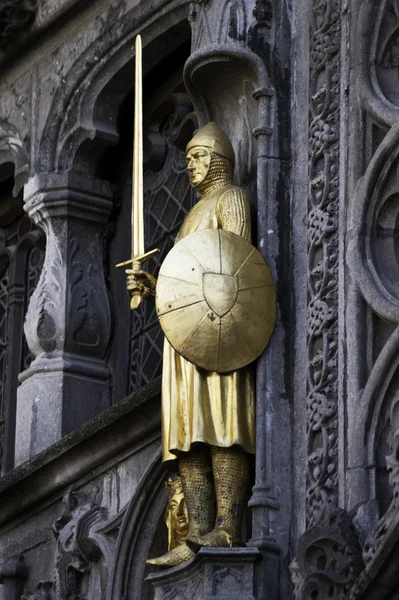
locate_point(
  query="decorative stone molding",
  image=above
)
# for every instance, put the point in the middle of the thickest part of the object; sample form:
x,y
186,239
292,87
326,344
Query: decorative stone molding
x,y
16,16
68,321
328,559
323,203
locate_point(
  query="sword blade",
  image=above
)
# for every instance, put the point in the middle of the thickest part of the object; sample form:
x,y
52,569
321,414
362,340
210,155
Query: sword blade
x,y
137,188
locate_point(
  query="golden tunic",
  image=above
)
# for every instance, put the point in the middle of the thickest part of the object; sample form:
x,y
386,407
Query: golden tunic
x,y
198,405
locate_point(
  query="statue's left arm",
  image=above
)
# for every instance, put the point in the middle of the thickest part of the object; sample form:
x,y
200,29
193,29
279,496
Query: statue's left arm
x,y
234,213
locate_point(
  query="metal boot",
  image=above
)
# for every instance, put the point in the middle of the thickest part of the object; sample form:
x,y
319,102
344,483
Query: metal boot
x,y
231,475
196,476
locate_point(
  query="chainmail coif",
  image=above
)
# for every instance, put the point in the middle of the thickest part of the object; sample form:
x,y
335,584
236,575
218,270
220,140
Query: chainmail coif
x,y
220,173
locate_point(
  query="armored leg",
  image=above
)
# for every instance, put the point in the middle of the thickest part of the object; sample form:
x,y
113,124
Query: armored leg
x,y
231,475
196,476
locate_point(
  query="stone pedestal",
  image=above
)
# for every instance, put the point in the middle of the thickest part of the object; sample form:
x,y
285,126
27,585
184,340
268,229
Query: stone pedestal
x,y
67,325
214,573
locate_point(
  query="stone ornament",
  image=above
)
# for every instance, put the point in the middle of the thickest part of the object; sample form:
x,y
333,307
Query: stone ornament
x,y
323,258
215,300
328,559
77,545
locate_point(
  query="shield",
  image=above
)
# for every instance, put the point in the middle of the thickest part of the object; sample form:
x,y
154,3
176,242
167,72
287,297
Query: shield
x,y
215,300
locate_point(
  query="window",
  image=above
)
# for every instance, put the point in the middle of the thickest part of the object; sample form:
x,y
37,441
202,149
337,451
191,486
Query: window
x,y
21,260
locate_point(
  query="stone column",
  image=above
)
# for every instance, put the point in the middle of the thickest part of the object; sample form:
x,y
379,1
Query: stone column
x,y
67,325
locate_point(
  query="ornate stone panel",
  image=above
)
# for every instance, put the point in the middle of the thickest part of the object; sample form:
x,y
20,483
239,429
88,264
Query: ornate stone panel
x,y
328,559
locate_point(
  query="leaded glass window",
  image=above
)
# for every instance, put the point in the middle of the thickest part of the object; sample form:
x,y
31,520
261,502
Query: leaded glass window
x,y
167,200
21,261
135,351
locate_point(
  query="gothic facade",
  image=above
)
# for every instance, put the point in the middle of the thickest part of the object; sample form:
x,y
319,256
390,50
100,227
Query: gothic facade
x,y
307,91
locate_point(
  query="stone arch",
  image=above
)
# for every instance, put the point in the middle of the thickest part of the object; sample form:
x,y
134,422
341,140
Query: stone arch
x,y
136,534
373,261
372,438
376,34
367,215
82,121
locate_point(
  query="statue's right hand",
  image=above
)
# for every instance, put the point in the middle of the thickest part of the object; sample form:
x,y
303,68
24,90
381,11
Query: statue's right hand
x,y
140,283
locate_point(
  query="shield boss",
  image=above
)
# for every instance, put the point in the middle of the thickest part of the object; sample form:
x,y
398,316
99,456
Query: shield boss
x,y
215,300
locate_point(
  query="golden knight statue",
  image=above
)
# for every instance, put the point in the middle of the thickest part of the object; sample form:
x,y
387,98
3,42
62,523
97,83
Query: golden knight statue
x,y
208,417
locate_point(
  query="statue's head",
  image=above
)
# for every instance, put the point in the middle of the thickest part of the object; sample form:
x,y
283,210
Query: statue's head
x,y
209,154
176,517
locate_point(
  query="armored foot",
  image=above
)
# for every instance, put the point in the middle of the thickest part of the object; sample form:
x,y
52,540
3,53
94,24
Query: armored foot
x,y
218,538
174,557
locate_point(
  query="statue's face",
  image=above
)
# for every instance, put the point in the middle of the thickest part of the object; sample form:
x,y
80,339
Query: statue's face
x,y
178,513
198,159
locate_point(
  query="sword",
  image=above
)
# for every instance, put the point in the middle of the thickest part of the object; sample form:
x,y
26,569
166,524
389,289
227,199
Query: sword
x,y
139,256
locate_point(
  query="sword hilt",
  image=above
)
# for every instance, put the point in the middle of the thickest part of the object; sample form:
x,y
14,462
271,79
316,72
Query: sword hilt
x,y
137,262
142,258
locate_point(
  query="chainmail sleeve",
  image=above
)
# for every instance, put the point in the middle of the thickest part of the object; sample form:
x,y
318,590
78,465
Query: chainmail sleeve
x,y
234,213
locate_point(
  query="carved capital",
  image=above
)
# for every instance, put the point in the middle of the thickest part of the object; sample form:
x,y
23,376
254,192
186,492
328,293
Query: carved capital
x,y
69,310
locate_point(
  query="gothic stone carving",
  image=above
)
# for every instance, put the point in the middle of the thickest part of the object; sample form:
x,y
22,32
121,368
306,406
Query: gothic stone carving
x,y
328,559
15,17
325,38
77,548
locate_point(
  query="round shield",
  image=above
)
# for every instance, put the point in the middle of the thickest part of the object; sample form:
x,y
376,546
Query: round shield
x,y
215,300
